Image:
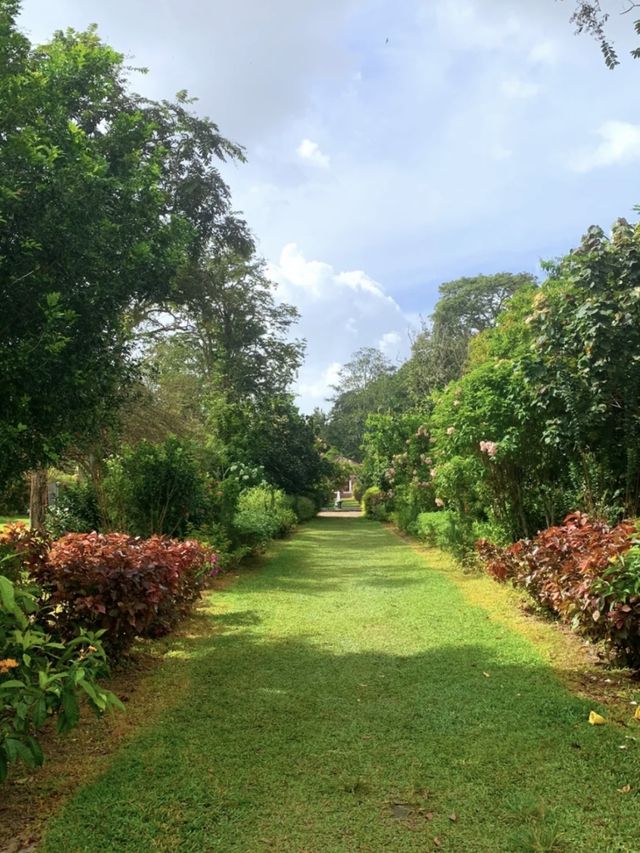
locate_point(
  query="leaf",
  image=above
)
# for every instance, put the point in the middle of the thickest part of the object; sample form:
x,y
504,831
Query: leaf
x,y
596,719
453,817
626,789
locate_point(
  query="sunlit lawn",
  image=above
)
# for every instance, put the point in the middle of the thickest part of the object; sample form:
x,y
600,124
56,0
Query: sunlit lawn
x,y
347,697
10,519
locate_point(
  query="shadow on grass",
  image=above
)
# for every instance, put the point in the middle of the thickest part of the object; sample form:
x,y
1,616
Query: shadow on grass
x,y
286,744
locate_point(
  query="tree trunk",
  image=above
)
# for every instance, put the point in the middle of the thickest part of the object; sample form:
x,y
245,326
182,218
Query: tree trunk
x,y
38,499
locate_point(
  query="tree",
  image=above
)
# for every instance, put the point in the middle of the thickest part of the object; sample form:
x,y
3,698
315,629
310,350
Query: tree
x,y
228,327
586,365
104,198
466,308
589,18
366,384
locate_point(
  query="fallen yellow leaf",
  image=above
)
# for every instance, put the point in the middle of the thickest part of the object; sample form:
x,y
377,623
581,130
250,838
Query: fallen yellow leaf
x,y
636,715
596,720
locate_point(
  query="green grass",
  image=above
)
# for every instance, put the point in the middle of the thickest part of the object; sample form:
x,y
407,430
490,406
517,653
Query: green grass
x,y
11,519
350,503
349,697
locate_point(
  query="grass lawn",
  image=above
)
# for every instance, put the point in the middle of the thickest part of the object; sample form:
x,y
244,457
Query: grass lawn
x,y
11,519
351,696
350,503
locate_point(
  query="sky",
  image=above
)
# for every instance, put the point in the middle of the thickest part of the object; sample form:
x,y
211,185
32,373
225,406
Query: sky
x,y
391,146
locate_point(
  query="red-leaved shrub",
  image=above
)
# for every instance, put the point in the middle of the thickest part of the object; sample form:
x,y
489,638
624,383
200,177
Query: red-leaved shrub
x,y
127,586
22,549
585,572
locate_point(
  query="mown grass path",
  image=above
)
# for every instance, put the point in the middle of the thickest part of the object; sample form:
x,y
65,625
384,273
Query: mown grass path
x,y
347,697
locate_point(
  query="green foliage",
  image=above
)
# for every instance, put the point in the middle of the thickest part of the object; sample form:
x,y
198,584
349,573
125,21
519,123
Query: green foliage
x,y
584,371
42,677
263,514
74,510
305,508
122,193
448,530
154,489
366,384
467,307
374,503
398,460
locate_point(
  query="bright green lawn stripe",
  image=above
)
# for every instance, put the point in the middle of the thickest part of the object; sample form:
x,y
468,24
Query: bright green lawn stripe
x,y
11,519
349,676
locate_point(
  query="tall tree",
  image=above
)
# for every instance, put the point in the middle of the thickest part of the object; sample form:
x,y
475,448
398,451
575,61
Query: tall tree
x,y
104,198
234,335
466,307
366,384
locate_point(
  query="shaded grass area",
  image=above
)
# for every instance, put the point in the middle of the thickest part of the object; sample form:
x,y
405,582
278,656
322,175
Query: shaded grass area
x,y
349,697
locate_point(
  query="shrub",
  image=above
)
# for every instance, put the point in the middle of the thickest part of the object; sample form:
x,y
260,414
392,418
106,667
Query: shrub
x,y
358,491
215,536
374,503
154,489
40,678
123,586
585,572
75,510
263,514
22,551
304,508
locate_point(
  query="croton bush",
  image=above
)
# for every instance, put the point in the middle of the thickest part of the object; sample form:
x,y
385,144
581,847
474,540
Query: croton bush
x,y
122,585
125,586
584,571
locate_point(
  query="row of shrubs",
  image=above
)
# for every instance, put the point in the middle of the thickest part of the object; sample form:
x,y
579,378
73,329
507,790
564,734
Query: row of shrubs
x,y
70,606
167,489
584,572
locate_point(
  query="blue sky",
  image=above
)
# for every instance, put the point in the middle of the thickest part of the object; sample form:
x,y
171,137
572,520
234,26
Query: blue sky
x,y
391,146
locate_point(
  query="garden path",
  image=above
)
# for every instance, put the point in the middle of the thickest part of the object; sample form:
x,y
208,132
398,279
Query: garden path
x,y
348,696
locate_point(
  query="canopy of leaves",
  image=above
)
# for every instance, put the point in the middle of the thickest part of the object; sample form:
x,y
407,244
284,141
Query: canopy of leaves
x,y
104,197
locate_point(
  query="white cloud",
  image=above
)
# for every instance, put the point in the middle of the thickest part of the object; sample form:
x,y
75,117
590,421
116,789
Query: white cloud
x,y
543,53
317,388
389,343
310,151
620,143
515,88
340,312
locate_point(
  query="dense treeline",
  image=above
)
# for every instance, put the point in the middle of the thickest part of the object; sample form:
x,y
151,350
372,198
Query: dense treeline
x,y
521,401
142,350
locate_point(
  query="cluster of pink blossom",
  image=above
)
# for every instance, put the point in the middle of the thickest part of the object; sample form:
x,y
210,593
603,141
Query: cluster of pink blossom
x,y
451,430
422,432
489,447
439,502
433,472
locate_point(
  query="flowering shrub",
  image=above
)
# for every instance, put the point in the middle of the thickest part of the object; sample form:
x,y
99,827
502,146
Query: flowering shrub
x,y
40,678
124,586
585,572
